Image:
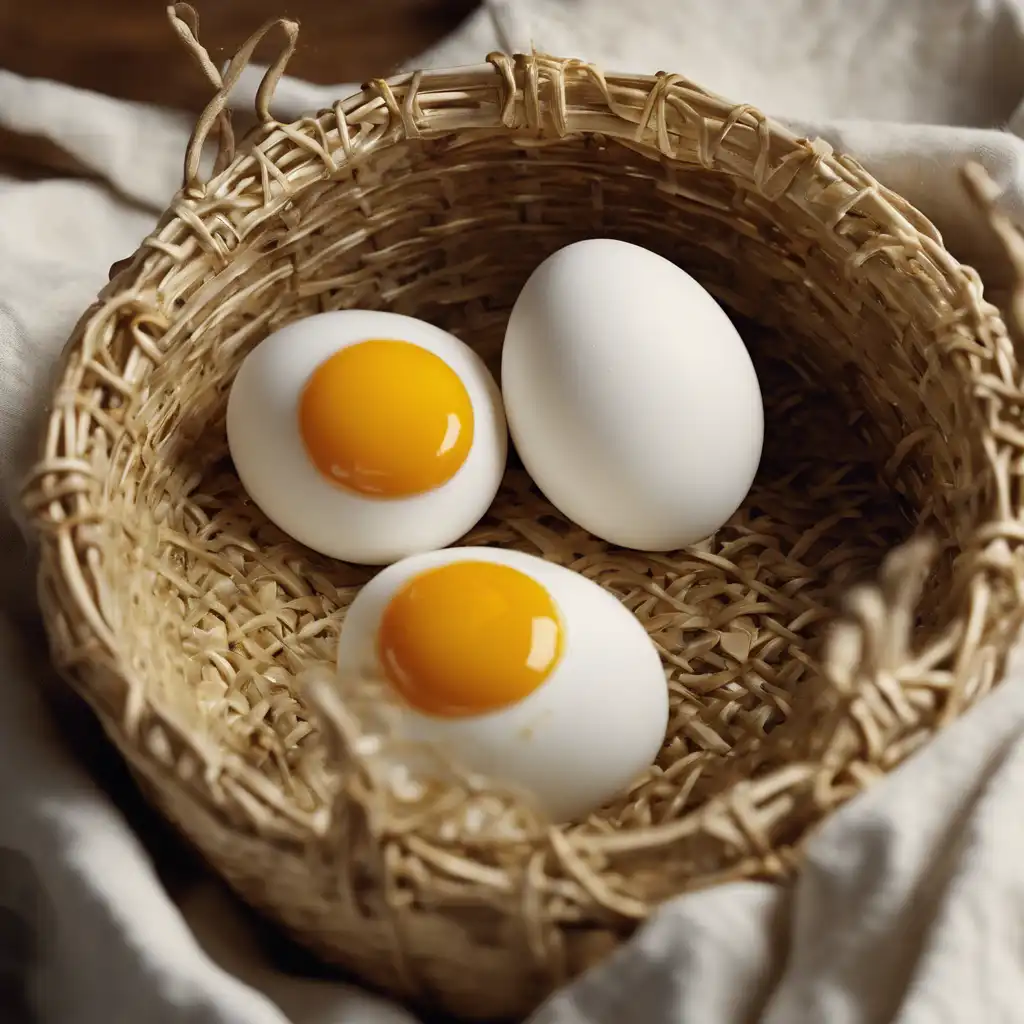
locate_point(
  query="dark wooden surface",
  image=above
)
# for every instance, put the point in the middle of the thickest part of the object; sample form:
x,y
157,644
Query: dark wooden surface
x,y
126,48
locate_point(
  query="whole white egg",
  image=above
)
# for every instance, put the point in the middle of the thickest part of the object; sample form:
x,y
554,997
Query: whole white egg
x,y
517,668
367,436
630,396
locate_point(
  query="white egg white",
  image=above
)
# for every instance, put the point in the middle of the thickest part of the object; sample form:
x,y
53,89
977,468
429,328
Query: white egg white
x,y
587,732
272,463
630,396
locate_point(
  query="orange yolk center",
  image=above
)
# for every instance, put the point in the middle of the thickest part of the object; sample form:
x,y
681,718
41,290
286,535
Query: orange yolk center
x,y
468,638
386,419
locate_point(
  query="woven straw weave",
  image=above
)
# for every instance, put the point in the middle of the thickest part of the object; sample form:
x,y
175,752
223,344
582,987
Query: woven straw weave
x,y
200,634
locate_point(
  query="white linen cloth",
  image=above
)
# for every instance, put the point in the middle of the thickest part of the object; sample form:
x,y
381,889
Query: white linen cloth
x,y
910,906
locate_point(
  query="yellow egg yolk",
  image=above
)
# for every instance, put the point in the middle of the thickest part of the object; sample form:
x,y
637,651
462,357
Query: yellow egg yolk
x,y
387,419
468,638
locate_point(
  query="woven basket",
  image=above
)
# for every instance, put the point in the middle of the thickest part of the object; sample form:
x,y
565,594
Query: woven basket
x,y
812,644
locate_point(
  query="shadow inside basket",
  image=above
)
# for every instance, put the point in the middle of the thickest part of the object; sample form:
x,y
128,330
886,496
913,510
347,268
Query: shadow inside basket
x,y
738,619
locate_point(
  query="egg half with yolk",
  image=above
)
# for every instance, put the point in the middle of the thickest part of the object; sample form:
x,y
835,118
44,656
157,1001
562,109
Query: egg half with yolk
x,y
515,668
367,436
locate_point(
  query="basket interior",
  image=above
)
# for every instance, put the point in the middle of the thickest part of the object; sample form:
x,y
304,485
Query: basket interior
x,y
218,610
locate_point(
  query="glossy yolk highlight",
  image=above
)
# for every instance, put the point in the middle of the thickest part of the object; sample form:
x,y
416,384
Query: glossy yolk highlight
x,y
468,638
386,418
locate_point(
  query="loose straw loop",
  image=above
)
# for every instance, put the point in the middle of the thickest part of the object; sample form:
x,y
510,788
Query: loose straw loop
x,y
985,195
185,23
